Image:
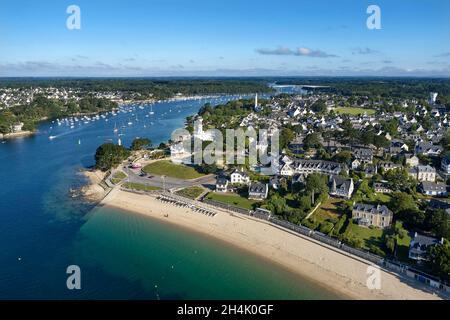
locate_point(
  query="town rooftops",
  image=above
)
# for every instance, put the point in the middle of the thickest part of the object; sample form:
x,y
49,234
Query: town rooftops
x,y
433,187
257,187
369,208
421,242
221,181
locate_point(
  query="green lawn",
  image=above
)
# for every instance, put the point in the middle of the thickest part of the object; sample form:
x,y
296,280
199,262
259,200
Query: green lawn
x,y
118,177
382,198
232,199
354,111
368,236
191,192
170,169
327,211
139,186
403,245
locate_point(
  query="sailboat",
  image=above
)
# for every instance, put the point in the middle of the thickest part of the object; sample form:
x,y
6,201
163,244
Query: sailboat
x,y
115,128
151,110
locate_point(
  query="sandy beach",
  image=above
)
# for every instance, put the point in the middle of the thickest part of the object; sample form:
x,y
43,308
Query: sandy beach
x,y
16,134
319,263
93,191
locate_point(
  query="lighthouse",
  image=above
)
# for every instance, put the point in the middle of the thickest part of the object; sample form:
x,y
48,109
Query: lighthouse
x,y
256,108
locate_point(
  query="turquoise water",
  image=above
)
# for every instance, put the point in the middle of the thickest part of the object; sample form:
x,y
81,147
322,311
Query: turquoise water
x,y
122,256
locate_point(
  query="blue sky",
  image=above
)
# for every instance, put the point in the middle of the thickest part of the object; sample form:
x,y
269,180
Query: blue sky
x,y
224,38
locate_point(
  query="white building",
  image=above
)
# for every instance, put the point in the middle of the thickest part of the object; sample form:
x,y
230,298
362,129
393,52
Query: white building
x,y
199,133
423,173
239,177
433,97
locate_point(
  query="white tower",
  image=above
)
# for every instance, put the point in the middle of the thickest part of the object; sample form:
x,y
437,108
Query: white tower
x,y
256,101
198,124
433,97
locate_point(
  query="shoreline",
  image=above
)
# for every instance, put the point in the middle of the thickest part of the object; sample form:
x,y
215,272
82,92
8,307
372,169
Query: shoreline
x,y
16,134
308,259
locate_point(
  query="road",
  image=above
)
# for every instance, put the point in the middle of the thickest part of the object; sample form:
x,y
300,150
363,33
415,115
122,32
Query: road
x,y
208,181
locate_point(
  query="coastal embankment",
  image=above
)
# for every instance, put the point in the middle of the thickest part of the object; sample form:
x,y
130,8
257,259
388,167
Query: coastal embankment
x,y
309,259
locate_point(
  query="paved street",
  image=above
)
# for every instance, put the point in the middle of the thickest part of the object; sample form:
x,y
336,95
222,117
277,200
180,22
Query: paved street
x,y
170,183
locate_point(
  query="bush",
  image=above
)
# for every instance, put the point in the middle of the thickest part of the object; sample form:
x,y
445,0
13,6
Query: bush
x,y
376,250
311,224
339,225
326,227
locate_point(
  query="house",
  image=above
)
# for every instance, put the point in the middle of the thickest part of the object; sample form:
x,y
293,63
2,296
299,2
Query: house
x,y
428,149
445,165
397,147
363,155
380,187
370,171
17,127
258,191
386,166
411,160
306,167
355,164
433,189
275,182
222,184
239,177
341,187
419,245
439,205
369,215
287,170
423,173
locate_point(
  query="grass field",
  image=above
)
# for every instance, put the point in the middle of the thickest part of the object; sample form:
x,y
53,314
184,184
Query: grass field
x,y
232,199
403,244
139,186
327,211
354,111
118,177
191,192
382,198
367,235
169,169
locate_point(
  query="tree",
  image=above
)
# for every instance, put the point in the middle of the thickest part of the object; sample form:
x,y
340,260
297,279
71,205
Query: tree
x,y
317,184
312,141
399,180
110,155
319,106
438,222
286,136
207,168
402,202
391,242
439,259
391,126
7,119
140,144
277,205
343,157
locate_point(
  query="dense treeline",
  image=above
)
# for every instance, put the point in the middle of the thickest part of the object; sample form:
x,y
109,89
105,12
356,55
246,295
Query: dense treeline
x,y
156,88
42,108
377,87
